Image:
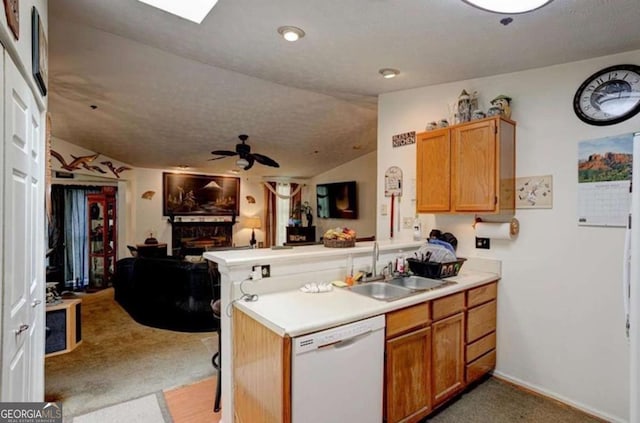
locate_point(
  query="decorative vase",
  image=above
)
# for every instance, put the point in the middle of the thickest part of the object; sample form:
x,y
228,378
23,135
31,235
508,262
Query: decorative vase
x,y
94,211
309,219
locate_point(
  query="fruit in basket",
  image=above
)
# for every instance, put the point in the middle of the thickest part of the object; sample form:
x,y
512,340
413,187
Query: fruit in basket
x,y
340,233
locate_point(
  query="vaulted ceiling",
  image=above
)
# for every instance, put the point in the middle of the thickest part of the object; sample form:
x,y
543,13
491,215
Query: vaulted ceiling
x,y
169,91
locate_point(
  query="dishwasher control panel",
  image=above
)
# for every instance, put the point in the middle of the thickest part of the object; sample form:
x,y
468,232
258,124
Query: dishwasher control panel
x,y
331,336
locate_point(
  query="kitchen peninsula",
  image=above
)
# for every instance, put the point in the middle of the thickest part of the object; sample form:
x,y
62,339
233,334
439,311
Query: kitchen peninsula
x,y
287,312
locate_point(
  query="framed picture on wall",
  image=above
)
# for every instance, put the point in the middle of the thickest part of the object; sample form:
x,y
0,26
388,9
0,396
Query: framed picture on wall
x,y
38,52
200,195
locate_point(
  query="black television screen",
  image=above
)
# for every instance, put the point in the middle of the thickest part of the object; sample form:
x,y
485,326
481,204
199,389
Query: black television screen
x,y
337,200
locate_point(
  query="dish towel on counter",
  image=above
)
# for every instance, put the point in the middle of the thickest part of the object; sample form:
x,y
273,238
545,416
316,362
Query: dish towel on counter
x,y
315,288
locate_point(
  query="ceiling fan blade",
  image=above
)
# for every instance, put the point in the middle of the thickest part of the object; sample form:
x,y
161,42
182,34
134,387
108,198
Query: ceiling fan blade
x,y
250,159
217,158
224,153
265,160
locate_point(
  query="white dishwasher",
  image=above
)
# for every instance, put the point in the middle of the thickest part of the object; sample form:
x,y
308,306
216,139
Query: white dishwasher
x,y
337,374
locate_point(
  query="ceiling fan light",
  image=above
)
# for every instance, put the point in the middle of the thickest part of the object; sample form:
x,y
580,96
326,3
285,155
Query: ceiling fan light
x,y
508,6
242,163
291,33
388,73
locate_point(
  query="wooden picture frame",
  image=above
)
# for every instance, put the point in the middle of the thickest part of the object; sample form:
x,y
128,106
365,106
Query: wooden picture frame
x,y
12,12
39,53
200,195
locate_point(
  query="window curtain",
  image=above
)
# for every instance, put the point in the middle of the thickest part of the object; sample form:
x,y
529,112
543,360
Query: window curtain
x,y
56,229
76,239
295,200
280,199
270,214
283,211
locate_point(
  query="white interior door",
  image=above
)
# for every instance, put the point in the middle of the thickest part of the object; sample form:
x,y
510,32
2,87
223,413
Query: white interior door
x,y
23,241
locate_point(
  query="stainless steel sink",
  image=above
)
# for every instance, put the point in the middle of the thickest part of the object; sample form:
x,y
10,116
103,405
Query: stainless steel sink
x,y
381,291
419,283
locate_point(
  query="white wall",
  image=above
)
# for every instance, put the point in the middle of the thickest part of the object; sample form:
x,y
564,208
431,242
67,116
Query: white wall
x,y
560,314
363,171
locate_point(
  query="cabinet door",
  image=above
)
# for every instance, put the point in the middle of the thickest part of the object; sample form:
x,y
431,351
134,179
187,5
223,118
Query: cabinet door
x,y
474,167
408,377
448,357
433,171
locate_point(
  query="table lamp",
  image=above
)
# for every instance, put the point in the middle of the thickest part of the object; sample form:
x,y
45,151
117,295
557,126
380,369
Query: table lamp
x,y
253,223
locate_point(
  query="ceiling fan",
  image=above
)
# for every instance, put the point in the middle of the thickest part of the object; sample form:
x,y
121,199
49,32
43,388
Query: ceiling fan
x,y
247,158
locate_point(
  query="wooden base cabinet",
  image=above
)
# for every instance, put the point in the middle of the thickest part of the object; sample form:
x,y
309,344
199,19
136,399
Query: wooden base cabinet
x,y
448,357
480,336
467,168
408,373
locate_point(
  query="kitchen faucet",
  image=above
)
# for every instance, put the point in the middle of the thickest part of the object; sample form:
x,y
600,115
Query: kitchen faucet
x,y
376,256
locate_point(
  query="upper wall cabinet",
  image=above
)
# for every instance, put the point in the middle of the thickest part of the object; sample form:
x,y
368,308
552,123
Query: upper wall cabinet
x,y
467,168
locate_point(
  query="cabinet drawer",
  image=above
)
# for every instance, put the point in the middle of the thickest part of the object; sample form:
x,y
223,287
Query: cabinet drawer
x,y
403,320
443,307
481,346
481,366
481,320
482,294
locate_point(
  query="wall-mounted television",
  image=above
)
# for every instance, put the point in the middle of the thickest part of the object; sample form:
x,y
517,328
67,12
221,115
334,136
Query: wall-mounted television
x,y
337,200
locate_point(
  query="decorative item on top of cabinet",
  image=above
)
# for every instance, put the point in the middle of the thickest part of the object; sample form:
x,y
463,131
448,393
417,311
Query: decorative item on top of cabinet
x,y
503,102
467,168
464,107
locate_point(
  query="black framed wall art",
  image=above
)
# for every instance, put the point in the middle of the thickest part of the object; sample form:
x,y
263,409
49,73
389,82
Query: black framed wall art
x,y
39,54
200,195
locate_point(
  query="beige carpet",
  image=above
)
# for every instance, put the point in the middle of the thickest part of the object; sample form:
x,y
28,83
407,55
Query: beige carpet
x,y
495,401
120,359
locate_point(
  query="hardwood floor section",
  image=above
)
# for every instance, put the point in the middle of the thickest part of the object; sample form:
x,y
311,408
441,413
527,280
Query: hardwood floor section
x,y
193,403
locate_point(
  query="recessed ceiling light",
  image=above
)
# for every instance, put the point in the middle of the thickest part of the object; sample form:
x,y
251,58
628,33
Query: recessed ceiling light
x,y
193,10
291,33
183,166
508,6
388,73
236,171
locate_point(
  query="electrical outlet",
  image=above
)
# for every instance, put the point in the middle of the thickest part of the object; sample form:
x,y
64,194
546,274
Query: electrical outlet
x,y
483,243
383,210
407,222
266,270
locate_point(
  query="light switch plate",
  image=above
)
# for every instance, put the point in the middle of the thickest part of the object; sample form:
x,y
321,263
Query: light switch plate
x,y
383,210
407,222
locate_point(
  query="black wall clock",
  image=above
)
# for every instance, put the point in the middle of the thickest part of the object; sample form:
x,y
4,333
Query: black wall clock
x,y
609,96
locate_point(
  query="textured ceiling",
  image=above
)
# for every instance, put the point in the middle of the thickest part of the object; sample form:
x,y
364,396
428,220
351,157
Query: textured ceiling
x,y
169,91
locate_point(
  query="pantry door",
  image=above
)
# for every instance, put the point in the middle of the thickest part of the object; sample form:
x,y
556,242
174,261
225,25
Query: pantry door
x,y
22,250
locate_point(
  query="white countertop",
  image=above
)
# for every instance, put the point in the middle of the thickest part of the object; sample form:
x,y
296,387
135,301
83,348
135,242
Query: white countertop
x,y
315,252
297,313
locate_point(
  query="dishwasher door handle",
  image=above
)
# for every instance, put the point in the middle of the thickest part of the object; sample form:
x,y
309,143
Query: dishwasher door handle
x,y
346,342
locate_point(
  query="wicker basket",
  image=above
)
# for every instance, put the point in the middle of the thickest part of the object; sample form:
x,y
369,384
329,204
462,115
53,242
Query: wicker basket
x,y
339,243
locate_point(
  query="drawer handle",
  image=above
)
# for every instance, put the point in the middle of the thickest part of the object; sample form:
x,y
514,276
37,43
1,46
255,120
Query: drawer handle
x,y
36,303
21,329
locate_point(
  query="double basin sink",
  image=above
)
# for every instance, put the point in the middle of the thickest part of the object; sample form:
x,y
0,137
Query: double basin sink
x,y
398,287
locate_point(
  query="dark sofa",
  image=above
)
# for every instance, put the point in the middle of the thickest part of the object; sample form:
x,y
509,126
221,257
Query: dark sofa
x,y
167,292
